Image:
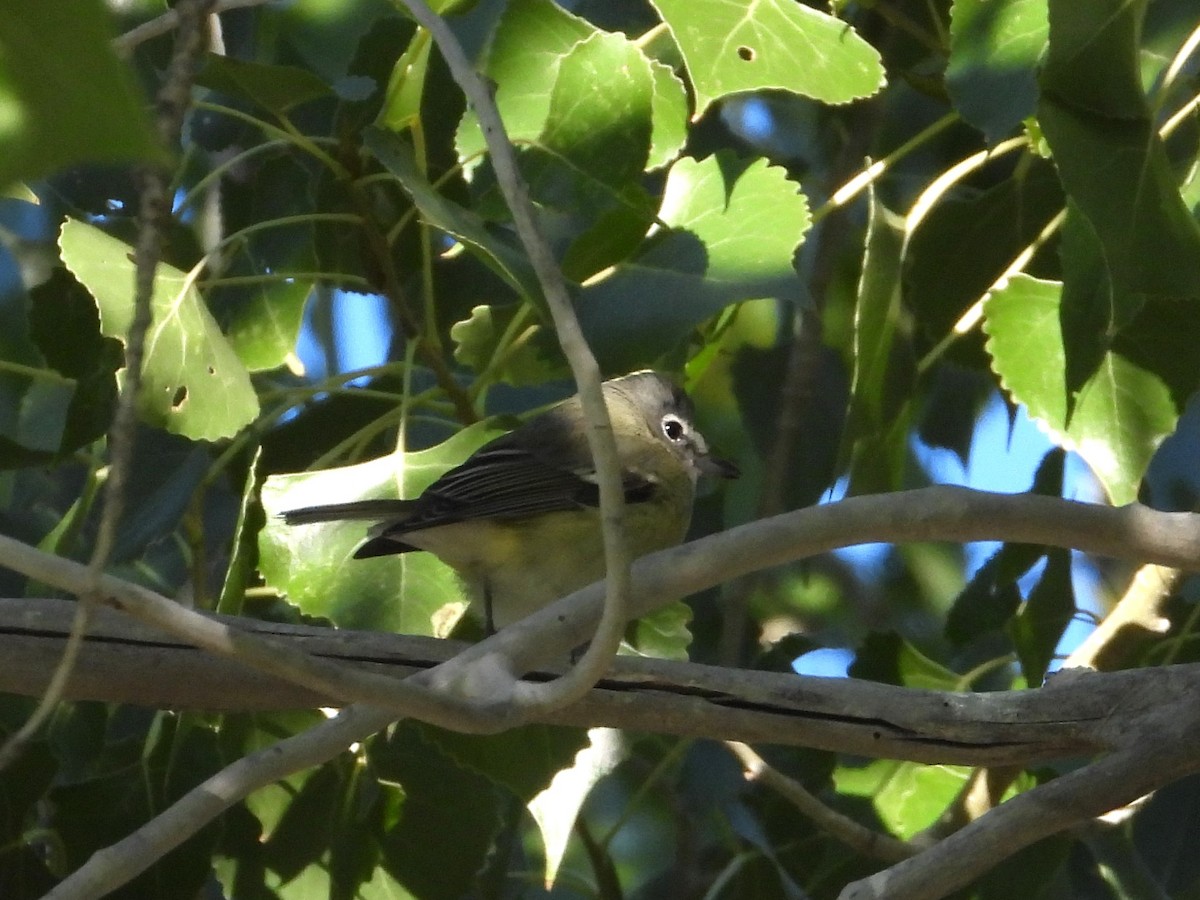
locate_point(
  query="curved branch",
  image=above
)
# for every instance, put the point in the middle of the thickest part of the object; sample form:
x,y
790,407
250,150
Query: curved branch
x,y
607,630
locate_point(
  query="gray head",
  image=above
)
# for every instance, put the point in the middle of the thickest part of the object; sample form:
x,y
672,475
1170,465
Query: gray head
x,y
669,415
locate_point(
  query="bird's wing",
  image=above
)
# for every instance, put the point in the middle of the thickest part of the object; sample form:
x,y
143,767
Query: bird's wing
x,y
506,480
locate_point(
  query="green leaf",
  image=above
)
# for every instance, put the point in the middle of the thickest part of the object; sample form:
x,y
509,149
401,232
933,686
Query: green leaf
x,y
664,634
98,808
50,115
406,86
193,384
730,48
733,229
992,598
599,118
65,325
312,564
593,150
1040,623
1089,307
890,659
274,88
964,245
397,156
1123,412
264,331
670,113
1118,175
908,797
34,407
529,355
527,47
995,48
1092,63
449,813
302,834
876,433
556,809
522,760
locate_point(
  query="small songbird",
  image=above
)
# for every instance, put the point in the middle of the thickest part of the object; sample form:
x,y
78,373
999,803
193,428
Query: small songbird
x,y
519,519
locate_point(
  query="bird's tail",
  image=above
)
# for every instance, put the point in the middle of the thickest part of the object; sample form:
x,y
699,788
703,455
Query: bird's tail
x,y
357,509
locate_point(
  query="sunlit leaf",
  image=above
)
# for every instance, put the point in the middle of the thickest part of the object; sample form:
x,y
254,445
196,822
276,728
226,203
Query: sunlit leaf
x,y
1123,412
265,330
193,384
908,797
664,634
556,808
527,47
730,48
313,565
733,231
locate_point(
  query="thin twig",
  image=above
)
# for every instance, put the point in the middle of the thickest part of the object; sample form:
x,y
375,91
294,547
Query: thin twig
x,y
604,642
125,44
859,838
153,215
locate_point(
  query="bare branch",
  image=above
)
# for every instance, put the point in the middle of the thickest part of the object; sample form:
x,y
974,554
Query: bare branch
x,y
1070,718
125,44
873,844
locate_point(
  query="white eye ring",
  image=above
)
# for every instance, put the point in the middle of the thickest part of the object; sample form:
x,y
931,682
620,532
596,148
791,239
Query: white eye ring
x,y
673,427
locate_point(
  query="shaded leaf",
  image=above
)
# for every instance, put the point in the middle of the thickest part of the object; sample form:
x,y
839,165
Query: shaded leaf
x,y
1119,177
449,813
992,597
964,245
529,355
522,760
995,48
1039,624
875,441
1092,61
52,118
599,117
396,155
274,88
890,659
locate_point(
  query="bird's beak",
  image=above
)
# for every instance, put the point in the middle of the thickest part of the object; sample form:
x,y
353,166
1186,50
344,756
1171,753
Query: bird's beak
x,y
716,467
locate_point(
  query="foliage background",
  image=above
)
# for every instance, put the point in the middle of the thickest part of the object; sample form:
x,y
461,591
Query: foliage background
x,y
1028,226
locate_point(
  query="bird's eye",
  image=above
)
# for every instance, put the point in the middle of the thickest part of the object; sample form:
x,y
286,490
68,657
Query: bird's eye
x,y
673,427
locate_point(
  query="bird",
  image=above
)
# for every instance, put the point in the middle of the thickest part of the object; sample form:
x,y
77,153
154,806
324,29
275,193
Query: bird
x,y
518,520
